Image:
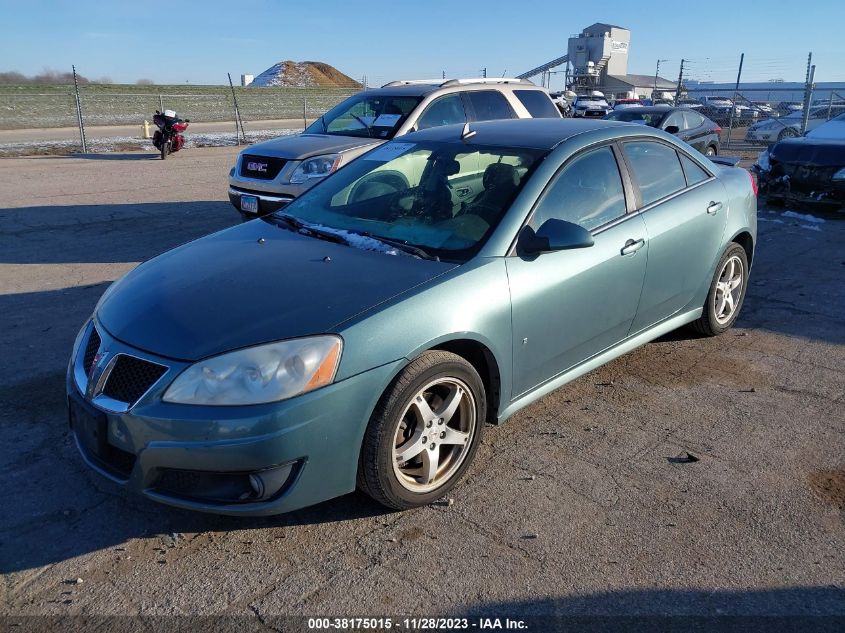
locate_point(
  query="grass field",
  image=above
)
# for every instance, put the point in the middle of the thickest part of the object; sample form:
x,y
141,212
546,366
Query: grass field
x,y
41,106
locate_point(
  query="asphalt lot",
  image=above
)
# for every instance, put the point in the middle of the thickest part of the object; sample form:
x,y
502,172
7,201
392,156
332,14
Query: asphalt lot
x,y
575,506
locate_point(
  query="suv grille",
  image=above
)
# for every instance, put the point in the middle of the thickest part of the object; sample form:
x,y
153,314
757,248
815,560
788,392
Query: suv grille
x,y
91,350
261,167
131,377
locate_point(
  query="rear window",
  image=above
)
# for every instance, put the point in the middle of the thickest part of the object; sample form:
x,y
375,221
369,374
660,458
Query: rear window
x,y
693,171
538,104
490,105
656,169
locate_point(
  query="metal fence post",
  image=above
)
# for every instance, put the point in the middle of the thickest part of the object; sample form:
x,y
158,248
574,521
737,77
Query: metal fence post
x,y
733,101
680,83
160,104
79,113
808,97
237,113
304,111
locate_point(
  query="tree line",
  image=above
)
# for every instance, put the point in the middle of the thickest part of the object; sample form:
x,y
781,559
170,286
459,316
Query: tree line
x,y
48,77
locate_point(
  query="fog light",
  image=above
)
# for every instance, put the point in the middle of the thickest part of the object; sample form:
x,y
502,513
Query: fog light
x,y
266,484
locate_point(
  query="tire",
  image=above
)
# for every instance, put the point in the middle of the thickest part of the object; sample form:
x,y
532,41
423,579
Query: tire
x,y
432,379
710,150
165,146
715,319
787,132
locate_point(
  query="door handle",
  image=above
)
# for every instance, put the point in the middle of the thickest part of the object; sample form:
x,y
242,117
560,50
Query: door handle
x,y
632,246
714,207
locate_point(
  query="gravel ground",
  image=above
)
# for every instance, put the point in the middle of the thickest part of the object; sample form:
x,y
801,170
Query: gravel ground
x,y
576,506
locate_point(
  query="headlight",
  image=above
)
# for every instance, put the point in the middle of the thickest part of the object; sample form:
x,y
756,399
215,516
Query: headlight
x,y
317,167
265,373
840,175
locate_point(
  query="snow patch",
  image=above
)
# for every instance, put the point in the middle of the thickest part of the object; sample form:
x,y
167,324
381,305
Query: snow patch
x,y
355,240
810,227
763,161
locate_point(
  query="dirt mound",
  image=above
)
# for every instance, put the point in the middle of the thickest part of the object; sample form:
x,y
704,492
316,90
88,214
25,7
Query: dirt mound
x,y
304,75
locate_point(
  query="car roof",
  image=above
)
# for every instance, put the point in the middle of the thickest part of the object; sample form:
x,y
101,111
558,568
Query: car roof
x,y
544,134
420,89
654,109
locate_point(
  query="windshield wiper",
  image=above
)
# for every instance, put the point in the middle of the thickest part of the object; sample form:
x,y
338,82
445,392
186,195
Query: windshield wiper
x,y
308,229
402,246
364,123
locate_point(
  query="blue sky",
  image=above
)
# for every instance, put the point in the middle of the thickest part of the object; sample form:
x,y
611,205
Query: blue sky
x,y
199,42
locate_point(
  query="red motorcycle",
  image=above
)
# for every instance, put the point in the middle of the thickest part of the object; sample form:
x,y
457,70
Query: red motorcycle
x,y
168,138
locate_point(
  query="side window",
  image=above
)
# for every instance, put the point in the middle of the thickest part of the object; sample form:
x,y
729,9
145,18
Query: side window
x,y
538,104
692,170
676,119
444,111
656,169
490,105
587,192
693,119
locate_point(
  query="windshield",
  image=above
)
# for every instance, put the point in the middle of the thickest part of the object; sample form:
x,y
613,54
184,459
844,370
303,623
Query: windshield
x,y
375,116
444,198
635,115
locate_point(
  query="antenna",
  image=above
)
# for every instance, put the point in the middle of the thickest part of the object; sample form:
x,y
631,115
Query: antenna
x,y
467,133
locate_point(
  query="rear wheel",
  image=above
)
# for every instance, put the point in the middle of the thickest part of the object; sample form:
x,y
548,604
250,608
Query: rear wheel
x,y
424,432
727,292
710,151
787,132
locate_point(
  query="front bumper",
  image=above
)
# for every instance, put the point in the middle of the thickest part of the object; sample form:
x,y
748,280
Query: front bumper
x,y
267,203
313,440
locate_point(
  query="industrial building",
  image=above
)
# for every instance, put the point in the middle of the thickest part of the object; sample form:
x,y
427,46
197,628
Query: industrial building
x,y
597,59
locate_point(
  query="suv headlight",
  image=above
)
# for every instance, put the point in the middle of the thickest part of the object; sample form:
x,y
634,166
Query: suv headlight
x,y
256,375
316,167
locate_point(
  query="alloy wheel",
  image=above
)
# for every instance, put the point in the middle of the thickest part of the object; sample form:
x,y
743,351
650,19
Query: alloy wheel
x,y
434,435
728,289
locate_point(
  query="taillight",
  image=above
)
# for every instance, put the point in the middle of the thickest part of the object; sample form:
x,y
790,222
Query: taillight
x,y
718,130
753,182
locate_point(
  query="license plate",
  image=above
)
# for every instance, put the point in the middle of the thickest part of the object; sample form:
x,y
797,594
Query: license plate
x,y
249,204
89,425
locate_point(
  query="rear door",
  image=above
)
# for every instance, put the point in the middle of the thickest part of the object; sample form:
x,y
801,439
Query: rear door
x,y
570,305
695,130
684,208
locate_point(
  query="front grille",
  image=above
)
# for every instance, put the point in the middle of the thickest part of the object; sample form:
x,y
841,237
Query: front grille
x,y
261,167
131,377
91,350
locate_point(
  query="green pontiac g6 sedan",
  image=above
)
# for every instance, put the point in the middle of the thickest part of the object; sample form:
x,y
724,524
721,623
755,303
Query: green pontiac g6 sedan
x,y
364,335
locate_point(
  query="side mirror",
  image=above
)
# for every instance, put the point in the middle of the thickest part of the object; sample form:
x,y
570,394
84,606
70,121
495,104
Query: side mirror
x,y
554,235
672,129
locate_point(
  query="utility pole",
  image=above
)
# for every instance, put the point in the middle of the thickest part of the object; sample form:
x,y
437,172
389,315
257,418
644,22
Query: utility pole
x,y
680,82
443,74
484,73
733,101
656,73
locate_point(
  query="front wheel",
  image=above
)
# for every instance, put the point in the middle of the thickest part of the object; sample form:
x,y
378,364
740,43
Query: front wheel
x,y
424,432
710,151
165,149
727,292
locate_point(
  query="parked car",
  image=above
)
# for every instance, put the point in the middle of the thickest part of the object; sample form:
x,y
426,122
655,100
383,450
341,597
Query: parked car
x,y
590,107
789,126
764,109
621,104
686,124
788,107
810,169
363,336
688,103
267,176
720,109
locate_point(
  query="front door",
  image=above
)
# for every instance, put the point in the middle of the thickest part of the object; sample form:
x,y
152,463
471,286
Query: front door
x,y
570,305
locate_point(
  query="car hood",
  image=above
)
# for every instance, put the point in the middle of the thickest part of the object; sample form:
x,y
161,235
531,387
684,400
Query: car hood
x,y
809,151
307,145
251,284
